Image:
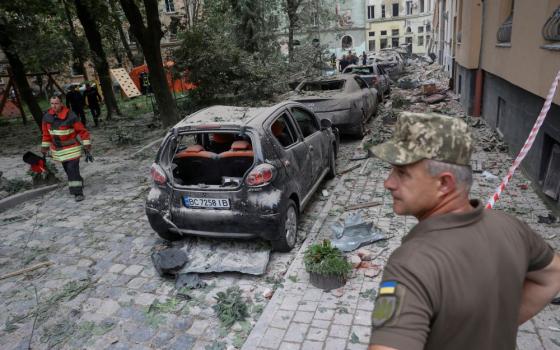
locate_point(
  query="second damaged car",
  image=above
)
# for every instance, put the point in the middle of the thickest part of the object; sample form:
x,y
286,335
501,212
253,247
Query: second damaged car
x,y
240,173
346,100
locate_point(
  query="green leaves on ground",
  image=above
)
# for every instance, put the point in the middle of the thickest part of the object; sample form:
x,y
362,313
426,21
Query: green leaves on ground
x,y
230,306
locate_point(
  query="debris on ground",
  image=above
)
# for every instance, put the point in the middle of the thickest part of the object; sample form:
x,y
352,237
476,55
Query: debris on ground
x,y
189,281
354,233
549,219
209,255
169,261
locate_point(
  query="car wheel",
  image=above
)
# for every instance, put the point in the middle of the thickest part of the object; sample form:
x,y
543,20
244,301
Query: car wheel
x,y
288,230
170,236
332,165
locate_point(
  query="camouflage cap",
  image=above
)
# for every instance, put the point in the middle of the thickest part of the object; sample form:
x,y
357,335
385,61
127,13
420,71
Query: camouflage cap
x,y
420,136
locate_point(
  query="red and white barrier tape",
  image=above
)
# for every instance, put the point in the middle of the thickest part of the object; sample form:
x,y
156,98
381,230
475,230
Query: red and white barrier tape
x,y
528,144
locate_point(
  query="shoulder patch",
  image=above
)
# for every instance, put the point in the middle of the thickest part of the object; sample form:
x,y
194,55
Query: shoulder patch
x,y
386,303
385,307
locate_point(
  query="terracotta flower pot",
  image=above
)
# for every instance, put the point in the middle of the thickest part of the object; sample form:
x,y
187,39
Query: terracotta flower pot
x,y
326,282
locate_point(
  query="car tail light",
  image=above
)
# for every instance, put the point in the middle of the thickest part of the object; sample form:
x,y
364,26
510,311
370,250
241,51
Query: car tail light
x,y
158,175
261,175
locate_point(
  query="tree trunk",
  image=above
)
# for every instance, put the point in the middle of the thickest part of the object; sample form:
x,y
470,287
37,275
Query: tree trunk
x,y
149,38
18,73
78,55
122,36
99,58
291,8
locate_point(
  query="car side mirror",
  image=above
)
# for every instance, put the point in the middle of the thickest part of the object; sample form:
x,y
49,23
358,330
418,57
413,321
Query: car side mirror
x,y
326,124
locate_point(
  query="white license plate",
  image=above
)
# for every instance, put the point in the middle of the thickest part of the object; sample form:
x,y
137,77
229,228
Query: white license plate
x,y
194,202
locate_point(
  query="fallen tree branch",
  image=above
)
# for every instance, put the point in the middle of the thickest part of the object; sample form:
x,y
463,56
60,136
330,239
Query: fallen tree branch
x,y
355,166
362,205
27,269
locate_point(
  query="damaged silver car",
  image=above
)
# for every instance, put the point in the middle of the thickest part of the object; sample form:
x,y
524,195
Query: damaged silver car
x,y
346,100
240,173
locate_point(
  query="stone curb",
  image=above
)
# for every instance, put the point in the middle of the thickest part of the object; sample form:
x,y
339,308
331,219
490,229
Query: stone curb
x,y
12,201
258,331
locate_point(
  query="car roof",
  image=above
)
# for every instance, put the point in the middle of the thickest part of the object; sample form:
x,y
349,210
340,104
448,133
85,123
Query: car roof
x,y
331,78
230,116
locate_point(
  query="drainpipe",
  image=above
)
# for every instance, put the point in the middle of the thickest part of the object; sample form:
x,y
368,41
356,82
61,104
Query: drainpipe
x,y
479,81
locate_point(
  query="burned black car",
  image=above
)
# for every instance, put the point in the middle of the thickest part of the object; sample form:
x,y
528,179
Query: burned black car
x,y
240,172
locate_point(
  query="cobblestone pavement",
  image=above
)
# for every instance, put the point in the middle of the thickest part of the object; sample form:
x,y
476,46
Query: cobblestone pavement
x,y
301,316
102,291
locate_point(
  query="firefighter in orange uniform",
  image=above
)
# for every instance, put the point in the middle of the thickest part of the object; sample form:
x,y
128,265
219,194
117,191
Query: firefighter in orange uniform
x,y
65,135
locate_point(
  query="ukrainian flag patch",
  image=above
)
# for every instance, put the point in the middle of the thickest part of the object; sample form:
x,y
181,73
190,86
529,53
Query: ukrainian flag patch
x,y
387,288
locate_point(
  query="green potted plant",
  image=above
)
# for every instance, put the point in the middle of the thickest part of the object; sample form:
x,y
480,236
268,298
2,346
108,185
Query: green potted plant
x,y
327,267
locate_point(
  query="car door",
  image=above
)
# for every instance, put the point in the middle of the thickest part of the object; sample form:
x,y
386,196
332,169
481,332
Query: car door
x,y
313,138
383,82
367,96
292,151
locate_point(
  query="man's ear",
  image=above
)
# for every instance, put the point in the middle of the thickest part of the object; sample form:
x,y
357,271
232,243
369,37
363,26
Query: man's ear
x,y
447,183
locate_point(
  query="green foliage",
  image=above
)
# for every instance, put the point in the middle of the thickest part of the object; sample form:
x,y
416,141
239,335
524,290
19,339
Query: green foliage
x,y
13,186
122,137
399,101
325,259
230,307
36,29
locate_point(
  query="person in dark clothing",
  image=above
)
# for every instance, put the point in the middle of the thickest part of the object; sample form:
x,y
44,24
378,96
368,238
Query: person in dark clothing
x,y
75,100
93,99
364,58
343,62
333,61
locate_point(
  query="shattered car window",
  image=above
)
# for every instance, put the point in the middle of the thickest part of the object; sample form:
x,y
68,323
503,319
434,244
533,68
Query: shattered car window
x,y
361,70
307,123
323,85
283,131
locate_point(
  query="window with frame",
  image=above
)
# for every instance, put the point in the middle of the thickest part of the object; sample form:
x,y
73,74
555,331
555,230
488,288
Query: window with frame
x,y
409,7
396,10
383,32
421,29
420,41
382,11
371,45
394,32
422,6
169,6
371,11
383,43
307,122
371,34
283,131
395,42
428,27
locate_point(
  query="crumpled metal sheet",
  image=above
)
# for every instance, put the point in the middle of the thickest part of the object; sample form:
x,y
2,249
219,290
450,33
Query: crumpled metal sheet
x,y
354,233
209,255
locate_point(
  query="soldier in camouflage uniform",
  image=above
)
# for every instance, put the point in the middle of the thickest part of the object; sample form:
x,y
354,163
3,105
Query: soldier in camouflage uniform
x,y
464,277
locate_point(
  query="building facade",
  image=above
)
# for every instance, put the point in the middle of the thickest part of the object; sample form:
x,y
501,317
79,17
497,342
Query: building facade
x,y
505,55
395,23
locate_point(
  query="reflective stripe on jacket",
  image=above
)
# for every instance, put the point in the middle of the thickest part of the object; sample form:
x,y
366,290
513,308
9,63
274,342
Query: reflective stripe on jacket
x,y
60,132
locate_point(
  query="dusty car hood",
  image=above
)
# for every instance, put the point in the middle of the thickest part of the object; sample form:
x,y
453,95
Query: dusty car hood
x,y
323,101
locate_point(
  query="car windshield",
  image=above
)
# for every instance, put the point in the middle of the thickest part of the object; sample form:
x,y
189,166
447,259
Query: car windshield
x,y
323,85
360,70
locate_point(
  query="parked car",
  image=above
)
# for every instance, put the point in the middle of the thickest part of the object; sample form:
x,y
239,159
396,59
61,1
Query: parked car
x,y
240,172
389,60
374,75
346,100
